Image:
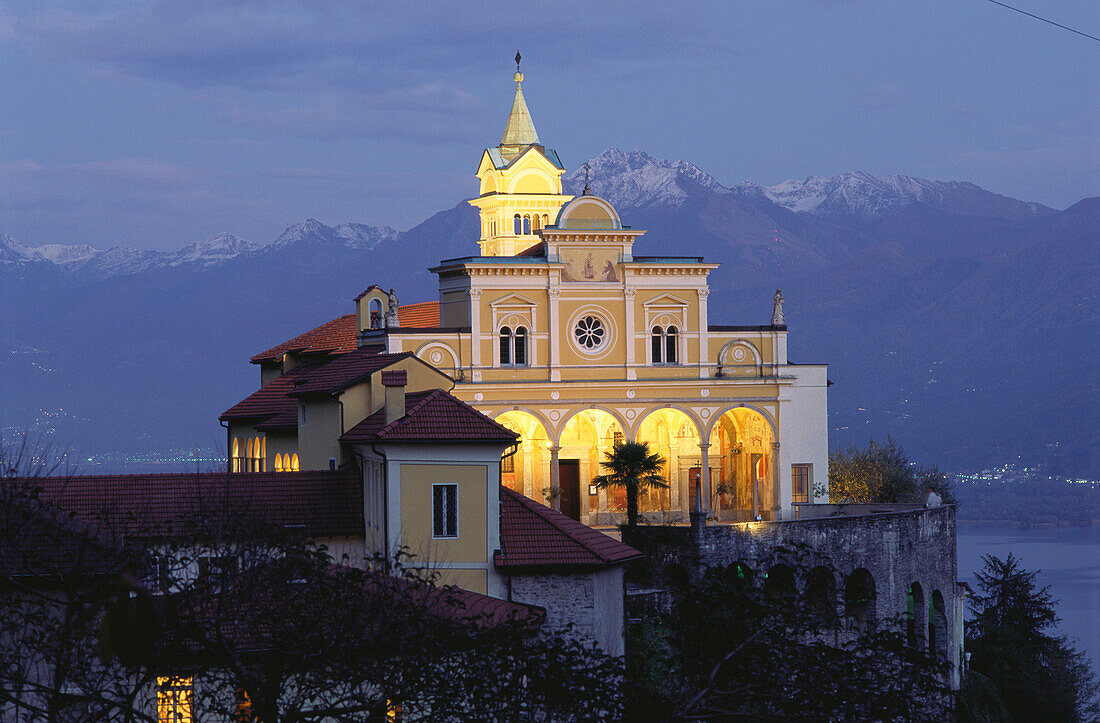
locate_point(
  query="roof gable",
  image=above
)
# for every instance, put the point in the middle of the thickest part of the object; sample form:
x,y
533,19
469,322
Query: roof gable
x,y
335,337
533,535
344,371
432,415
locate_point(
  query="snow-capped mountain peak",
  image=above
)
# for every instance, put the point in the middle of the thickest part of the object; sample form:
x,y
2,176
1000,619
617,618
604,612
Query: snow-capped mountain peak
x,y
214,249
865,195
639,179
354,235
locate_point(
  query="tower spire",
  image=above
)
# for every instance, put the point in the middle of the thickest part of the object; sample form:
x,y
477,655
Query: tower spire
x,y
520,129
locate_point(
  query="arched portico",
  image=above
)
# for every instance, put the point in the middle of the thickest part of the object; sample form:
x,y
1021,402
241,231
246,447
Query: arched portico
x,y
584,440
528,470
744,471
673,434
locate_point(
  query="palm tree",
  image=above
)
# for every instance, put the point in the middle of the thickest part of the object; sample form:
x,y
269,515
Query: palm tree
x,y
631,465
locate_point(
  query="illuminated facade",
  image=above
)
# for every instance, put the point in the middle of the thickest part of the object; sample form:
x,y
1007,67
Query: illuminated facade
x,y
564,334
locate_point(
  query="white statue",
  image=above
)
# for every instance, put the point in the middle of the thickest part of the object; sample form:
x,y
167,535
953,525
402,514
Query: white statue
x,y
777,310
391,311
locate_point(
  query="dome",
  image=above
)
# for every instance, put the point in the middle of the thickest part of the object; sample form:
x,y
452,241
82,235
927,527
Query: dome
x,y
588,213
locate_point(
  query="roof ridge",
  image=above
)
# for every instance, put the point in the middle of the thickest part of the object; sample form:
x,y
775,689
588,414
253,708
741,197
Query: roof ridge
x,y
408,412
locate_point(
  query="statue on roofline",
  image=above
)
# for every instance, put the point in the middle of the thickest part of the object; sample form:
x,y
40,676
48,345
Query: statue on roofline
x,y
777,309
391,311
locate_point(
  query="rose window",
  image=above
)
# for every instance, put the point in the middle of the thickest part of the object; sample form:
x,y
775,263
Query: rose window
x,y
589,332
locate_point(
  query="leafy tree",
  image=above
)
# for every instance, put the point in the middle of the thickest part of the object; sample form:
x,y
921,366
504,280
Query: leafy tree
x,y
632,466
883,472
1037,675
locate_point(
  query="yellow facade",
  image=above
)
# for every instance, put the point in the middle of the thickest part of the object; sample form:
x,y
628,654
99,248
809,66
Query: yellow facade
x,y
615,346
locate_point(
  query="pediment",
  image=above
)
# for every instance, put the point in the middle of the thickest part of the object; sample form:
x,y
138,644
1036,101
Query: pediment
x,y
665,300
513,300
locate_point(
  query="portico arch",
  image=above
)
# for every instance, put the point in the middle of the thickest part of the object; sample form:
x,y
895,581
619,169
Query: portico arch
x,y
528,470
744,474
673,434
584,440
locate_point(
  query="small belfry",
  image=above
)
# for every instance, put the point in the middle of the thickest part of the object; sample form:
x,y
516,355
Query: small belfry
x,y
520,191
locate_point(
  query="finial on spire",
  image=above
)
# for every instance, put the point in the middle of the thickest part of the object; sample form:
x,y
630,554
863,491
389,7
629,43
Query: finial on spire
x,y
518,58
587,189
518,77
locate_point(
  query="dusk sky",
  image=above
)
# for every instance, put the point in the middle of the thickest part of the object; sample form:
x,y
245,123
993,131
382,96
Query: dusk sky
x,y
156,124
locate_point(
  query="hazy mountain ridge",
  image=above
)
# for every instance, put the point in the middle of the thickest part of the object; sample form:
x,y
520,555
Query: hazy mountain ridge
x,y
216,249
940,326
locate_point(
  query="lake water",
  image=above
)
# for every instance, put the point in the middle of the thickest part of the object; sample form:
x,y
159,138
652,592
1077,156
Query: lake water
x,y
1069,560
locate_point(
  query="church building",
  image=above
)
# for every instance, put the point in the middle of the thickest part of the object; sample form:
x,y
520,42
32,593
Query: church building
x,y
562,331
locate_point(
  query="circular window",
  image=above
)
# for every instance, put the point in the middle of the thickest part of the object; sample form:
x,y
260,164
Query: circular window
x,y
590,333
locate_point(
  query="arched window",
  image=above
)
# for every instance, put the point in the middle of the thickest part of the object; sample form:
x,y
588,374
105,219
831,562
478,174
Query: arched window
x,y
513,346
937,626
375,314
294,463
535,225
278,462
505,345
518,224
545,220
526,225
520,355
663,345
859,601
915,622
235,456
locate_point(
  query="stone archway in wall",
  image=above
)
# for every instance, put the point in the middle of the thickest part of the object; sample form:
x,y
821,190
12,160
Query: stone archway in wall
x,y
585,439
528,470
674,435
743,472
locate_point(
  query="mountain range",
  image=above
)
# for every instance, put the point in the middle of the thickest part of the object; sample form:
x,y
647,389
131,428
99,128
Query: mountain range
x,y
960,321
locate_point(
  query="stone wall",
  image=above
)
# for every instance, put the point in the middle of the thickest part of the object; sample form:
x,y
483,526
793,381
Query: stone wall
x,y
587,606
896,548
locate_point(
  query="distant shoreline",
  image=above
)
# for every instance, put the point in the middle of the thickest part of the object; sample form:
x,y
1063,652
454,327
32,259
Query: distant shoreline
x,y
1028,525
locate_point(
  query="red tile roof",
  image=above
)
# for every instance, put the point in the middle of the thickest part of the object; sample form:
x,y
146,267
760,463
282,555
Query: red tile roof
x,y
424,315
271,401
335,337
323,503
433,415
344,371
533,535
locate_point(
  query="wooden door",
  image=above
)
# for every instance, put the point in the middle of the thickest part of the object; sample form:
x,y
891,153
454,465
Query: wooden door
x,y
569,481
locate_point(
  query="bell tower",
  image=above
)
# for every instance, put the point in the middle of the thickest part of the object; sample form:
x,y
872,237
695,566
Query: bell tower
x,y
520,191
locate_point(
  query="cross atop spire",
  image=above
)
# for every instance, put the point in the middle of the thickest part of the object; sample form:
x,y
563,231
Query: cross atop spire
x,y
520,129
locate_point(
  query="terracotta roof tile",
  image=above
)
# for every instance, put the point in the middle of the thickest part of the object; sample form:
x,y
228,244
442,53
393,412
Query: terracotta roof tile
x,y
335,337
535,251
344,371
533,535
432,415
324,503
424,315
270,401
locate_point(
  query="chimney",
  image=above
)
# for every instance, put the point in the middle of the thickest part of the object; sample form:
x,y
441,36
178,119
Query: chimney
x,y
394,382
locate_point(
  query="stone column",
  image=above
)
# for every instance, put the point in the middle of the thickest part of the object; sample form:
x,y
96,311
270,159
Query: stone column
x,y
630,333
555,336
777,512
554,449
704,477
704,370
475,334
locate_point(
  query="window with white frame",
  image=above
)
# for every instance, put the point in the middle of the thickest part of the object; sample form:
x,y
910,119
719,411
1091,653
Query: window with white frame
x,y
444,510
513,346
800,483
663,344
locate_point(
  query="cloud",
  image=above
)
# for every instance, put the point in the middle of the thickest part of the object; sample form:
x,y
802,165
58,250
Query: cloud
x,y
372,47
886,96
